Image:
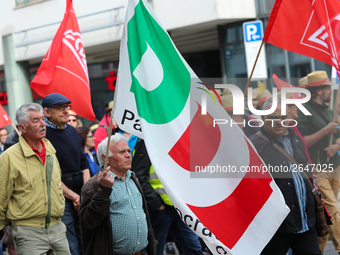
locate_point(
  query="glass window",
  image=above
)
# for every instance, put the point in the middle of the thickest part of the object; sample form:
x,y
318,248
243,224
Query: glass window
x,y
299,65
265,6
321,66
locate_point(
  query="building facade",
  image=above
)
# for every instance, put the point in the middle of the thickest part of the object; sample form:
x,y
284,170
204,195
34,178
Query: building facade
x,y
208,33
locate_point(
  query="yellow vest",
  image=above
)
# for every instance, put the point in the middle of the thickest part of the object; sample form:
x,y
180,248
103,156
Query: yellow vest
x,y
158,187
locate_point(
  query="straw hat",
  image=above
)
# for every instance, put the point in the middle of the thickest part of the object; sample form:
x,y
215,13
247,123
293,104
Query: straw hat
x,y
256,92
219,92
72,113
226,92
288,95
264,96
302,82
318,79
109,107
227,103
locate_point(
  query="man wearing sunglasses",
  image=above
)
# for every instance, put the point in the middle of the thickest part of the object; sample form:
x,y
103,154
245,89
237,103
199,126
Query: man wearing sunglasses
x,y
73,162
297,231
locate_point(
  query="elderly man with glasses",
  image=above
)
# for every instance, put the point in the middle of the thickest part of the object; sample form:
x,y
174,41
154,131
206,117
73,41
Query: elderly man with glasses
x,y
73,163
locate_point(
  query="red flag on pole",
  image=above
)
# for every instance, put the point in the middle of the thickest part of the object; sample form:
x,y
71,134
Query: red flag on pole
x,y
64,69
4,118
283,84
306,27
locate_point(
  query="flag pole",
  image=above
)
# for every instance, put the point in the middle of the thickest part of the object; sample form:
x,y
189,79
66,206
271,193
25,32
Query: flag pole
x,y
332,100
108,143
15,128
335,113
252,71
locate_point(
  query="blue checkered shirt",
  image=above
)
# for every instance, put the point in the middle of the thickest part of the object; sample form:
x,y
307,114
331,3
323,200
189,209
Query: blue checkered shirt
x,y
128,220
51,125
299,183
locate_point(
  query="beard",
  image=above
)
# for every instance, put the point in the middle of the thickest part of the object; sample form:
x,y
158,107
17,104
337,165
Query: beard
x,y
325,99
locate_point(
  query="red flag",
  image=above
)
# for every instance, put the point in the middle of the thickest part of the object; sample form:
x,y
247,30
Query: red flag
x,y
307,27
64,69
280,83
4,118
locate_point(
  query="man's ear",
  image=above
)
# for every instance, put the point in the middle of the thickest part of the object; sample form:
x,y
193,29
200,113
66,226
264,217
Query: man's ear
x,y
319,92
103,157
22,128
47,112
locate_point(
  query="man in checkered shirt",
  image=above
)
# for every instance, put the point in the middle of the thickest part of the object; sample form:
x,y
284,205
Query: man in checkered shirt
x,y
113,212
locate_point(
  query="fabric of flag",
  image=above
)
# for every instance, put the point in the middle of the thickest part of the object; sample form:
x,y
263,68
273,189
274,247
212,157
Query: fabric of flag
x,y
307,27
158,97
283,84
4,118
64,68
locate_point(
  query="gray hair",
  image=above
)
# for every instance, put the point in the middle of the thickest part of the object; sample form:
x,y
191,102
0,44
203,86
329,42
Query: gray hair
x,y
269,102
101,150
22,113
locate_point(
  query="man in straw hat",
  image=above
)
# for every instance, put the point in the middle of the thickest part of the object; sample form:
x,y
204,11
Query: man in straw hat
x,y
256,92
317,129
263,97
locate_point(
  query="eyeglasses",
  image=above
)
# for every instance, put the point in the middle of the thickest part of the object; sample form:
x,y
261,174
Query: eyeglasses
x,y
72,120
61,107
89,136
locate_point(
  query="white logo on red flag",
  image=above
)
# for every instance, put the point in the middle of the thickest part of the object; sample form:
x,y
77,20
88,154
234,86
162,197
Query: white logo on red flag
x,y
320,39
74,42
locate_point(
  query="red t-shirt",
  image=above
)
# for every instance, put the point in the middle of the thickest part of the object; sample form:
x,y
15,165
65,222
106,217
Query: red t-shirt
x,y
42,154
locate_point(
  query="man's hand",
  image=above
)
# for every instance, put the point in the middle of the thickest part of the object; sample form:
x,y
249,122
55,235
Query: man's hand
x,y
105,178
161,207
332,150
76,202
331,128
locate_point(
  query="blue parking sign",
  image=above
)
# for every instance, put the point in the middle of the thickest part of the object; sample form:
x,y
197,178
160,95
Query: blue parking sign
x,y
253,31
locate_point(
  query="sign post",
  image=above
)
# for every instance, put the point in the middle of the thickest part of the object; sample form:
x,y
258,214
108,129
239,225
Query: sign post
x,y
253,34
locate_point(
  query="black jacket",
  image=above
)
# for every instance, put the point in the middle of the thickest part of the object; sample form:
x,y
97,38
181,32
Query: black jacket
x,y
94,216
285,182
141,166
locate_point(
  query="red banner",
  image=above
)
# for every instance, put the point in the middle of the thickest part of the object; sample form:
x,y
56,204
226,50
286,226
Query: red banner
x,y
64,68
4,118
306,27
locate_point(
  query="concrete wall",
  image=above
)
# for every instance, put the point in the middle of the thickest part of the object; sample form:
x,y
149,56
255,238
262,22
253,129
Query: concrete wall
x,y
174,14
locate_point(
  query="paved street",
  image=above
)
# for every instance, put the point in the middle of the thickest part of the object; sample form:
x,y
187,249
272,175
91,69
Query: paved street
x,y
329,250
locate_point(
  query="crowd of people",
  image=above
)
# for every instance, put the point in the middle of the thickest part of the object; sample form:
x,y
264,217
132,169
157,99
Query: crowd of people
x,y
57,198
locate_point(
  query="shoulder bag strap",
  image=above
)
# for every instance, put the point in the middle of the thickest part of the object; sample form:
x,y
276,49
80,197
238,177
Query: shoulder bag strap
x,y
293,161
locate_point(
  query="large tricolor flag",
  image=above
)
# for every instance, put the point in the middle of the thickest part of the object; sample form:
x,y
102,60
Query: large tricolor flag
x,y
307,27
64,69
4,118
159,98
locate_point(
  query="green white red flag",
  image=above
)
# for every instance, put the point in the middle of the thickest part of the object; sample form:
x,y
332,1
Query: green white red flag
x,y
158,98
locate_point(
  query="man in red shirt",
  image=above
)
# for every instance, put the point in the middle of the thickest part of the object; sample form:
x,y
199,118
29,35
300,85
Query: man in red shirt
x,y
104,125
31,197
